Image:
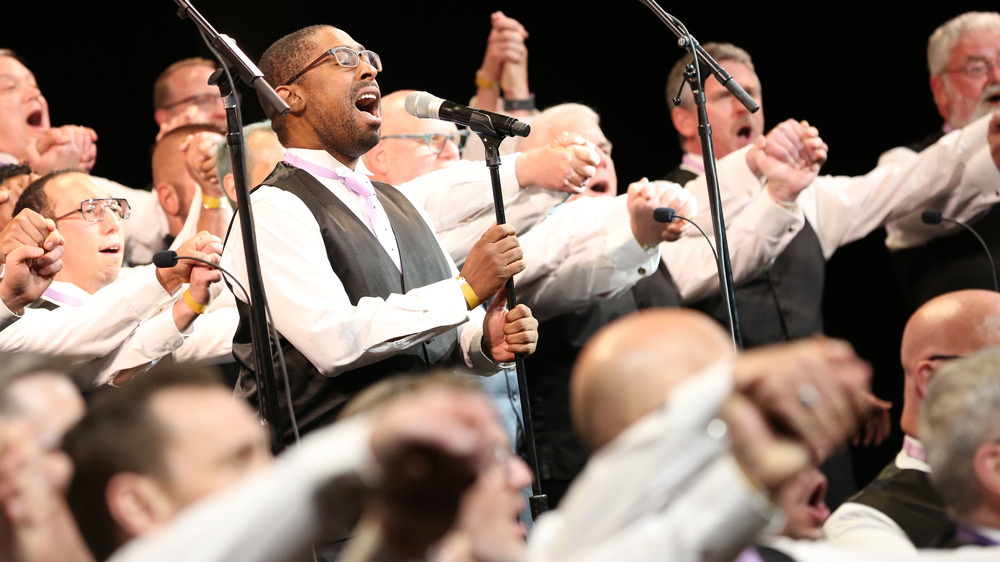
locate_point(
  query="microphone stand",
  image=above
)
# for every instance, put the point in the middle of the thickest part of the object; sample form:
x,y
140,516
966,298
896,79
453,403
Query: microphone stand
x,y
230,57
696,81
482,125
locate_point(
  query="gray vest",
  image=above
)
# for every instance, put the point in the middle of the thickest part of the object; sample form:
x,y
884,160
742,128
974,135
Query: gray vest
x,y
366,270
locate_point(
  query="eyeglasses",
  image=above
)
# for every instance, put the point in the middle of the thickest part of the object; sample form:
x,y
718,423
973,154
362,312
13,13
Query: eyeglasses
x,y
974,68
944,357
204,101
93,210
436,141
345,57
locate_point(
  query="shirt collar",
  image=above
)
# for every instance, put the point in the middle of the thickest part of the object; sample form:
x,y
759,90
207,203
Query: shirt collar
x,y
912,455
323,158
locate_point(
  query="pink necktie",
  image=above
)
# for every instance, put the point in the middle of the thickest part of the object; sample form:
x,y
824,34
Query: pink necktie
x,y
359,183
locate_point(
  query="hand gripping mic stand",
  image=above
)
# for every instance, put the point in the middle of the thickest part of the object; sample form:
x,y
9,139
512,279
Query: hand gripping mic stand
x,y
696,81
482,125
230,57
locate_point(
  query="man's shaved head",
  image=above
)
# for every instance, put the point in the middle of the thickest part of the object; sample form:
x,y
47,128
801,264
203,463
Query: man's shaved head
x,y
627,368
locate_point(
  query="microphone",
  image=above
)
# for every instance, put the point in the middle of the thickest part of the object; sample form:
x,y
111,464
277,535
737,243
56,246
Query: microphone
x,y
169,258
668,214
664,214
931,216
427,106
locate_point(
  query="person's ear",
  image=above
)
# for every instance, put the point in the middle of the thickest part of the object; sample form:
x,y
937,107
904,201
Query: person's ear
x,y
169,199
137,503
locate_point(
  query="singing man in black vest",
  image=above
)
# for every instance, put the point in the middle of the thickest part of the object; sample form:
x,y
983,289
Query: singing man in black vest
x,y
785,301
386,298
901,510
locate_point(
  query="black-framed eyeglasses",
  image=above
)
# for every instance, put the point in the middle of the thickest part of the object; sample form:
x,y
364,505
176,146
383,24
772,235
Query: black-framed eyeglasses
x,y
975,68
436,141
345,57
201,100
93,210
944,357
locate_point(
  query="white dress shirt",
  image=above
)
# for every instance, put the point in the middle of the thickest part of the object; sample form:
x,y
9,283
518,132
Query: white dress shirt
x,y
665,489
968,160
860,526
309,304
843,209
126,324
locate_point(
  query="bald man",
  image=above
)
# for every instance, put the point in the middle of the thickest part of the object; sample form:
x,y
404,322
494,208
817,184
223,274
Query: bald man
x,y
900,511
684,440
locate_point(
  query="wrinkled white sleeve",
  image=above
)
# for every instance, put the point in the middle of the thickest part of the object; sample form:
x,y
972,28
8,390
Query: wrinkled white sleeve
x,y
960,205
211,338
757,231
844,209
314,488
634,491
7,316
312,310
823,551
585,250
855,525
95,329
459,201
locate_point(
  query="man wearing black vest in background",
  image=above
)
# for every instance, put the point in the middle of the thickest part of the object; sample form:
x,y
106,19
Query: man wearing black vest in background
x,y
786,301
962,58
900,510
388,298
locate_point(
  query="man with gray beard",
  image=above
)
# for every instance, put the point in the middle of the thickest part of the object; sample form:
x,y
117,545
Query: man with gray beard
x,y
962,57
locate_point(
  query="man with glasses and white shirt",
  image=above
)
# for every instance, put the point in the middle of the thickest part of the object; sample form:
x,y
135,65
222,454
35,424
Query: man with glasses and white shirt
x,y
142,314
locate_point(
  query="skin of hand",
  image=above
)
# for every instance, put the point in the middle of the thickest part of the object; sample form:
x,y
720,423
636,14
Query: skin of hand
x,y
191,115
430,444
562,166
643,197
69,146
506,333
773,379
28,228
677,198
494,259
505,44
22,283
173,277
790,156
199,158
201,278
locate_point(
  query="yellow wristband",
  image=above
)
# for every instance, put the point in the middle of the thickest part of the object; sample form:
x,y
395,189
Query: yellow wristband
x,y
209,202
471,299
484,82
196,306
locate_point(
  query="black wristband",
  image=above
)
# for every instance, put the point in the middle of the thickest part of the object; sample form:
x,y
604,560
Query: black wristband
x,y
514,105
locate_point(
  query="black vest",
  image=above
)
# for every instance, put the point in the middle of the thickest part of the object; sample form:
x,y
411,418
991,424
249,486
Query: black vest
x,y
783,303
366,270
909,499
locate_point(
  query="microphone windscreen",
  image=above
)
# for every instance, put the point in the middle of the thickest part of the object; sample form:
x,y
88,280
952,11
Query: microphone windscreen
x,y
418,104
931,216
166,258
664,214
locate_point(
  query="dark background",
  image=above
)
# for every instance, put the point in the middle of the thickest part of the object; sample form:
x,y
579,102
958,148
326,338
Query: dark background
x,y
856,71
859,75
